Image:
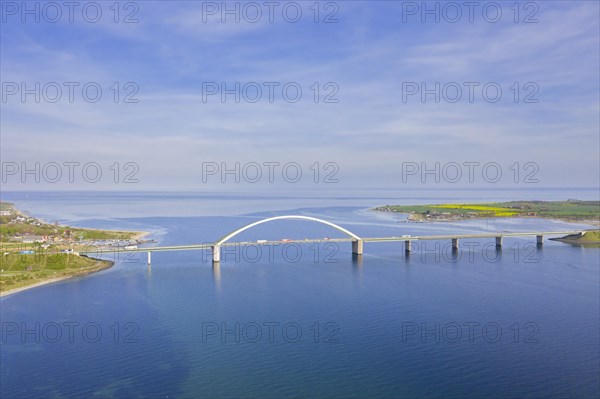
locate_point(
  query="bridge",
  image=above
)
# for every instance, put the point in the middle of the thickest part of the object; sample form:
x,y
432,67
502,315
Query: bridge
x,y
357,241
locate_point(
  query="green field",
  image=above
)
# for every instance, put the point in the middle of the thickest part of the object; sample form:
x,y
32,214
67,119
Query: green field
x,y
10,230
21,270
566,210
18,270
590,238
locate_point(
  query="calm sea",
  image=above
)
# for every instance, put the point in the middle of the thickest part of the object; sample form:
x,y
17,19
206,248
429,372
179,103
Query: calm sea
x,y
307,320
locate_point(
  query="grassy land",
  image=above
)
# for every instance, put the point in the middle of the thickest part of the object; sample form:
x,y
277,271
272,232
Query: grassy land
x,y
566,210
590,238
9,230
17,271
46,263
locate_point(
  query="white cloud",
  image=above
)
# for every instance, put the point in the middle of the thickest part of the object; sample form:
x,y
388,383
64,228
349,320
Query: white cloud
x,y
170,53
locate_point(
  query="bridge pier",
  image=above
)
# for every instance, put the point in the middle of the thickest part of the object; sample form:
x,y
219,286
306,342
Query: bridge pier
x,y
149,258
499,242
407,246
216,253
454,246
357,247
539,240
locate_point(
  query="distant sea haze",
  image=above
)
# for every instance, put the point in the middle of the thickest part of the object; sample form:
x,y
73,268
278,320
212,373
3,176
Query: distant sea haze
x,y
81,205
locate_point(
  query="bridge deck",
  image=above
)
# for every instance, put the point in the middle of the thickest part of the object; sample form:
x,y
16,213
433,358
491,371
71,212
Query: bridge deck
x,y
479,235
207,246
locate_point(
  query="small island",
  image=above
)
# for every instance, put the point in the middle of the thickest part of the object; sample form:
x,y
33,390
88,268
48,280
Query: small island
x,y
570,210
35,252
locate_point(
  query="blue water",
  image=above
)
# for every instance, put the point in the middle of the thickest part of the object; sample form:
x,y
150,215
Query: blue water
x,y
523,322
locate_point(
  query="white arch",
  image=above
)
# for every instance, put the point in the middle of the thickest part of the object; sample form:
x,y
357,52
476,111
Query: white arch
x,y
249,226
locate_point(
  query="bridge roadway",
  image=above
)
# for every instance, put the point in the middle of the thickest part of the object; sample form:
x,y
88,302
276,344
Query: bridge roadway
x,y
196,247
357,245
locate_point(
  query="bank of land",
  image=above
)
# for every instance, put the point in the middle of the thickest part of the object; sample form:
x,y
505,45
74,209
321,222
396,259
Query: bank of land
x,y
589,239
34,252
571,210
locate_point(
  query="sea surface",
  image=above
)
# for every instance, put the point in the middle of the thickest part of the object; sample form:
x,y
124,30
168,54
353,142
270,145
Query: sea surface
x,y
307,320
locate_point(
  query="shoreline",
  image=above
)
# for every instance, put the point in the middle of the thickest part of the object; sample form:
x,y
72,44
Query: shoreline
x,y
576,242
140,235
99,264
415,218
137,235
80,273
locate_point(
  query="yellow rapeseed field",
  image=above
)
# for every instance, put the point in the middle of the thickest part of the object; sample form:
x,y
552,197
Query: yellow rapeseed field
x,y
497,211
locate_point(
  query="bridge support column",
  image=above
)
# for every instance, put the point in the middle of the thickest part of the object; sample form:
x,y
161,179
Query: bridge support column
x,y
455,243
407,246
498,242
216,253
540,240
149,258
357,247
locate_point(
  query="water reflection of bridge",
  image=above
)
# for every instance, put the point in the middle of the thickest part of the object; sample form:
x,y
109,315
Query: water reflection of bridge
x,y
357,241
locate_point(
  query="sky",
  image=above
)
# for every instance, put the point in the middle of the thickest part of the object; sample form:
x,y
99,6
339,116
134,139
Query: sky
x,y
352,94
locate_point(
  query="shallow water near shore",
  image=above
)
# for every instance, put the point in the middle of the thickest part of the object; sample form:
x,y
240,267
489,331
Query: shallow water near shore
x,y
313,321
